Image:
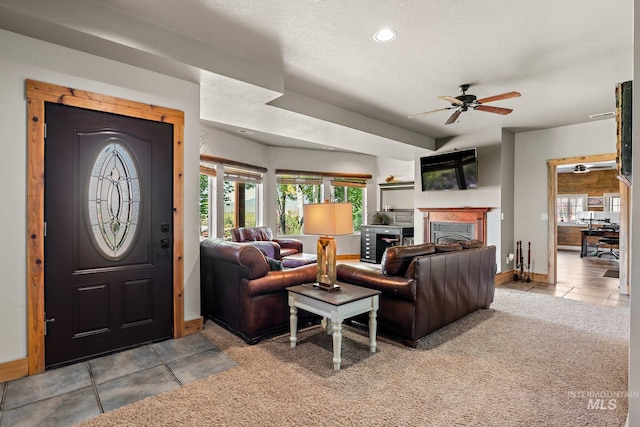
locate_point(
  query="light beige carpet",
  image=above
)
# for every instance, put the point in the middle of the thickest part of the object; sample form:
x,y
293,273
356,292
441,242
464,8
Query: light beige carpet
x,y
530,360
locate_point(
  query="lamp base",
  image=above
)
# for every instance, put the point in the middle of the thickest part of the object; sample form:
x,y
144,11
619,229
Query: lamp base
x,y
326,287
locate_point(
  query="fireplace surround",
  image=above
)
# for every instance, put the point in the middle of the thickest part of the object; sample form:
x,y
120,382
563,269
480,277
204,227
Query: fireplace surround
x,y
465,223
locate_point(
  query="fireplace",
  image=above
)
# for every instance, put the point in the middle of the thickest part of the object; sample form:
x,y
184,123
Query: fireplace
x,y
445,225
449,232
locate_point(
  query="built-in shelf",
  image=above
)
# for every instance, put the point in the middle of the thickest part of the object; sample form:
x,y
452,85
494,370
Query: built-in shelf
x,y
396,195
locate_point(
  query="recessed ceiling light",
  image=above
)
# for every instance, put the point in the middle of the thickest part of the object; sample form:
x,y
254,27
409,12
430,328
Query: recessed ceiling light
x,y
385,35
245,132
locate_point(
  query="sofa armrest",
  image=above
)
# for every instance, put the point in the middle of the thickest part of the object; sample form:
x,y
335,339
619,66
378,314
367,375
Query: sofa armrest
x,y
270,249
276,281
396,286
290,243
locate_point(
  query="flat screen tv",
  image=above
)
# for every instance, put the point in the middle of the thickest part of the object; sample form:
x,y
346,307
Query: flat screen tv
x,y
457,170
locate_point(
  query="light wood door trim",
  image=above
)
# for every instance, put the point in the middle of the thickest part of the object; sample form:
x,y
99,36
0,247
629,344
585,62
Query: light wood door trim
x,y
37,94
552,190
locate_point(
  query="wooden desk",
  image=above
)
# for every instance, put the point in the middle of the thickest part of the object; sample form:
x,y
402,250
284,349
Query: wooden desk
x,y
599,232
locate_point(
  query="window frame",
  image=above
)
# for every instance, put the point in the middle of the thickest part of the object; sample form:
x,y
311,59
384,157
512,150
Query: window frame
x,y
325,180
608,197
559,217
235,173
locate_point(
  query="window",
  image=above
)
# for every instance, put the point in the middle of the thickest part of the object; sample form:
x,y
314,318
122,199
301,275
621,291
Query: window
x,y
352,191
296,188
239,206
611,202
293,192
205,185
569,205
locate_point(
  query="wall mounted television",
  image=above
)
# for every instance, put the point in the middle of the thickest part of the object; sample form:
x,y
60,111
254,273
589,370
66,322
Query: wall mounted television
x,y
456,170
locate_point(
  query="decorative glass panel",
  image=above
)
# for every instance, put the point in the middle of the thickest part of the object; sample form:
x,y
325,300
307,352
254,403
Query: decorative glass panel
x,y
114,200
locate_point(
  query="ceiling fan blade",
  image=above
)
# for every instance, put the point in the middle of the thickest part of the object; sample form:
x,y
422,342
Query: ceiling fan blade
x,y
499,97
453,117
428,112
490,109
450,99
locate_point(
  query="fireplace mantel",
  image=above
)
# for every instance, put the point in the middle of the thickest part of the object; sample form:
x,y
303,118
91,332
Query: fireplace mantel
x,y
473,215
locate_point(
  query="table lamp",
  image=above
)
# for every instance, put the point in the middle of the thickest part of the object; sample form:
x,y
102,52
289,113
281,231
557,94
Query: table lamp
x,y
327,220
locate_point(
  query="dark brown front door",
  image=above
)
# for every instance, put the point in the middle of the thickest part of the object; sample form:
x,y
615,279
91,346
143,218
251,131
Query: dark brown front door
x,y
108,217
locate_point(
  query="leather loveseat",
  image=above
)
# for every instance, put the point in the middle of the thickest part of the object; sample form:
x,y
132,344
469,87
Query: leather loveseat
x,y
424,288
262,237
240,291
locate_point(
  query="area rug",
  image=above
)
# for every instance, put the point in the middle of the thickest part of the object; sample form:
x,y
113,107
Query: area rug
x,y
612,273
530,360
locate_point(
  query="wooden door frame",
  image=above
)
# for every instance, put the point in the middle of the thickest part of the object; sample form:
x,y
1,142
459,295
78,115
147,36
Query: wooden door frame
x,y
552,185
37,94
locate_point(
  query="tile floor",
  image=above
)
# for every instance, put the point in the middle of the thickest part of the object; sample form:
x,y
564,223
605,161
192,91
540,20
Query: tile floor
x,y
68,395
580,279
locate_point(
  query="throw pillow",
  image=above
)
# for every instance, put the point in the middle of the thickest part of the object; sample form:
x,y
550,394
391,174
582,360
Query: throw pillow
x,y
396,259
274,264
468,244
448,247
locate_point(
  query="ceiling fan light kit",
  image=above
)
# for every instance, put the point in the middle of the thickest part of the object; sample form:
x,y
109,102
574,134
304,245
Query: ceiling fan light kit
x,y
464,102
581,169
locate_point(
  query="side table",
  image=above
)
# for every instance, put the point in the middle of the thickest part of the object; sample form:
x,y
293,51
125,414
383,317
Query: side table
x,y
335,307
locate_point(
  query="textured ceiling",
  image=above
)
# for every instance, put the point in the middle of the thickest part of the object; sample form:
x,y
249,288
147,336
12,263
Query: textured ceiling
x,y
308,73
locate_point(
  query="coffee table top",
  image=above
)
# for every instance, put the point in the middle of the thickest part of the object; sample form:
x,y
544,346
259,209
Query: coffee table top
x,y
347,293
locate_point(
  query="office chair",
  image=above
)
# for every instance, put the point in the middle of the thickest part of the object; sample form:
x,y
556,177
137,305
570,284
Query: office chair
x,y
611,241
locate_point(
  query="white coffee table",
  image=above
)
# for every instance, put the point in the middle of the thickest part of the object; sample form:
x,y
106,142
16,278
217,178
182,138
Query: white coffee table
x,y
335,307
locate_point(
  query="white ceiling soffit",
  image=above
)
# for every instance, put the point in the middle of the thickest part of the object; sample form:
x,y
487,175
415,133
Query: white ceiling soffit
x,y
235,90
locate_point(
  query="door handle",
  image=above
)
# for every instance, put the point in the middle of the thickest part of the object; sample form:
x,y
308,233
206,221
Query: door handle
x,y
46,322
164,242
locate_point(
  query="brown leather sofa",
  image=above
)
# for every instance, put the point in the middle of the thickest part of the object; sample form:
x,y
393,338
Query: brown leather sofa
x,y
239,290
262,237
424,288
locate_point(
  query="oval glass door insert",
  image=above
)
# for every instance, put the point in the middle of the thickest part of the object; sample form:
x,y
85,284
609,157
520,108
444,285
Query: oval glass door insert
x,y
114,200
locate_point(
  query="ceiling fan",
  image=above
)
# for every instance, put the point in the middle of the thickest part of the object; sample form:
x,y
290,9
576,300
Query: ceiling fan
x,y
465,102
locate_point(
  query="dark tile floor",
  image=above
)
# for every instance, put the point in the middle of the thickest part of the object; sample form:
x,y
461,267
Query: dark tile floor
x,y
68,395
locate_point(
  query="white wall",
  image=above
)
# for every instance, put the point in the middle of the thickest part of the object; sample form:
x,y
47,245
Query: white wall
x,y
401,170
488,193
24,58
532,150
507,241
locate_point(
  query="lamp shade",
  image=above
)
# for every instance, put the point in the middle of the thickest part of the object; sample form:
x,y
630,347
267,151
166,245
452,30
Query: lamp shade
x,y
328,219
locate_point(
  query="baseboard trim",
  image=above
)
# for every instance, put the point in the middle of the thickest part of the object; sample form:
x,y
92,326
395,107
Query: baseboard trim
x,y
347,256
507,276
503,277
13,370
193,326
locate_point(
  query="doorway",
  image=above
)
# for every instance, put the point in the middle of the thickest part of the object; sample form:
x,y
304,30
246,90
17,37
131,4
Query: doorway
x,y
39,93
552,230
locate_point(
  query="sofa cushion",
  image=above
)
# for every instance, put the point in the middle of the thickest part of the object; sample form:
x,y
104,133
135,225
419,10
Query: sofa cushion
x,y
252,234
448,247
396,259
469,244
